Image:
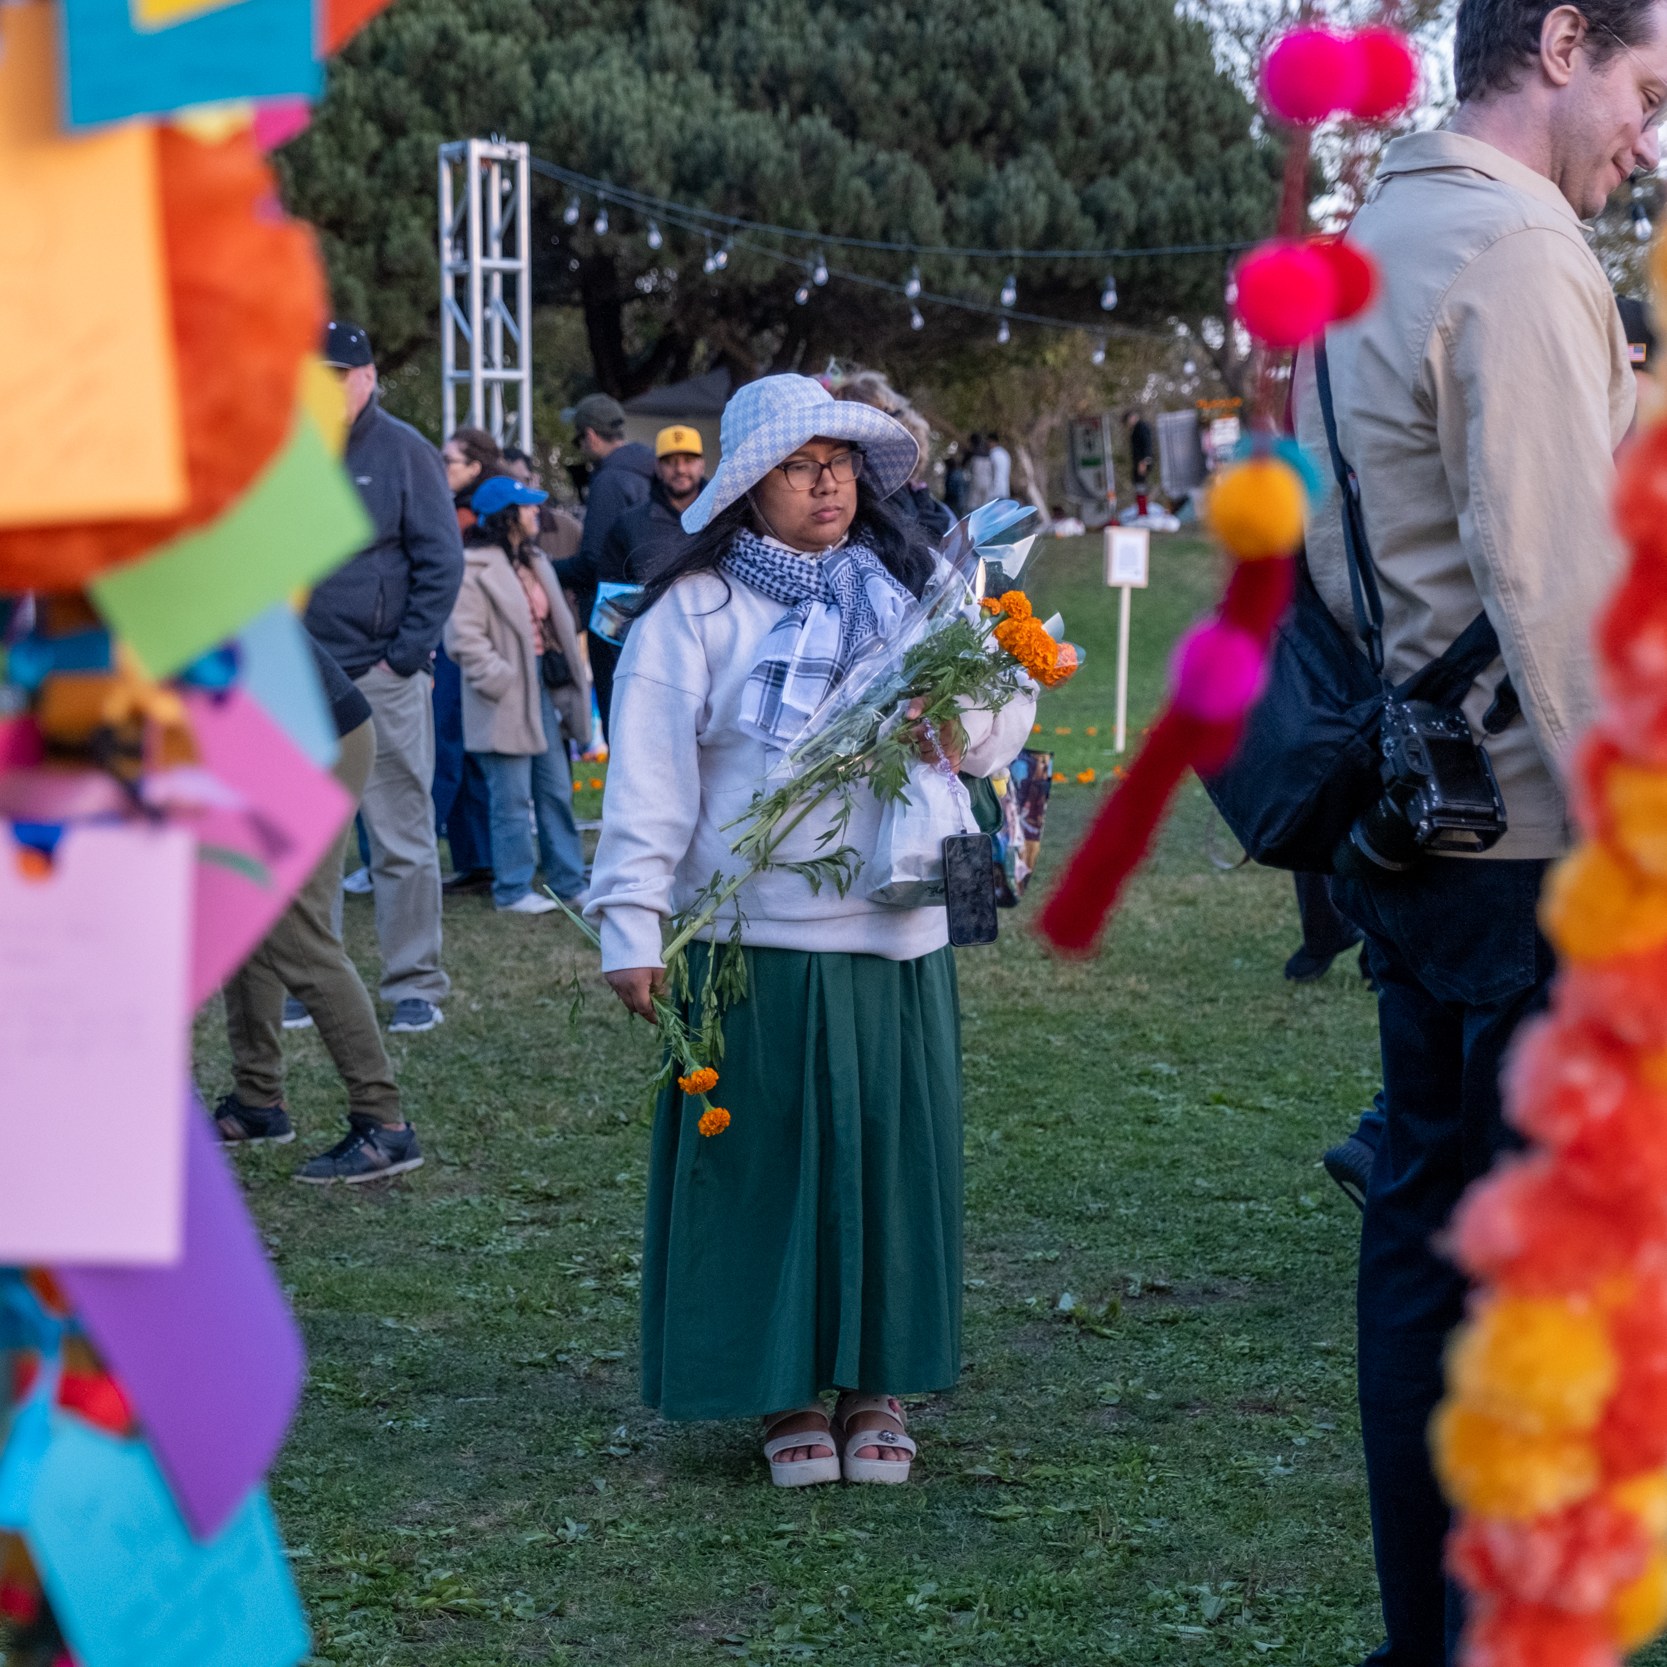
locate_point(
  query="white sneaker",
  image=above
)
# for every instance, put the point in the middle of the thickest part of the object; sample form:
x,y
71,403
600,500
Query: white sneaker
x,y
531,904
357,884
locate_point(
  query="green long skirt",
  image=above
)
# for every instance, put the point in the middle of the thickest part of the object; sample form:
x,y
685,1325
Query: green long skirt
x,y
816,1243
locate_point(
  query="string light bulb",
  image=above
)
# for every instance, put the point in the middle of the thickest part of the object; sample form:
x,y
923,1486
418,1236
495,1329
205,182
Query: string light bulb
x,y
1098,356
1003,334
1010,290
710,264
802,294
721,259
1108,294
1641,227
916,322
819,275
912,287
656,239
600,224
570,214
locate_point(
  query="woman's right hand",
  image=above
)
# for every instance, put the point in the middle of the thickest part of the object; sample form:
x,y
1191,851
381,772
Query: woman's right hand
x,y
637,987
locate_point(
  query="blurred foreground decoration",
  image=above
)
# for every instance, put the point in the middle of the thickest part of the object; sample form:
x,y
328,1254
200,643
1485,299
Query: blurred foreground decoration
x,y
1552,1442
1289,291
172,478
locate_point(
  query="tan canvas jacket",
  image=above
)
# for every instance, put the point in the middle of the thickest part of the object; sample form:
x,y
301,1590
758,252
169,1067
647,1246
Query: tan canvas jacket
x,y
1480,402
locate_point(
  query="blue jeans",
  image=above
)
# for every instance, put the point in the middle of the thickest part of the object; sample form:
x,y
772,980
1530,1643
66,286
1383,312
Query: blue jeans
x,y
542,782
460,799
1457,953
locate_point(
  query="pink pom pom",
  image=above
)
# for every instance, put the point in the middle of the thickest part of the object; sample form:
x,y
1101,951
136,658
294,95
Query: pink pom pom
x,y
1354,276
1389,74
1310,74
1287,294
1218,672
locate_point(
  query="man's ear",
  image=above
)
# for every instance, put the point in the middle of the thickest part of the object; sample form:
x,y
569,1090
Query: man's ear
x,y
1562,35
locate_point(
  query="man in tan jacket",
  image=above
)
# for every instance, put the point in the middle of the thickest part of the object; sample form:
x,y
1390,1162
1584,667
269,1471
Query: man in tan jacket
x,y
1480,403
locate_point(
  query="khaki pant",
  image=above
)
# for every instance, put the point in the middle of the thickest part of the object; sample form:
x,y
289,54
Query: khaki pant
x,y
398,812
303,953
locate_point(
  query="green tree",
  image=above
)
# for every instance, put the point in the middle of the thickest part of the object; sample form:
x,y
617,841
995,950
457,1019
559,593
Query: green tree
x,y
987,123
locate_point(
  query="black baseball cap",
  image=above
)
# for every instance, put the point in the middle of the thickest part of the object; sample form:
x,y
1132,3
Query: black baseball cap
x,y
1640,336
346,346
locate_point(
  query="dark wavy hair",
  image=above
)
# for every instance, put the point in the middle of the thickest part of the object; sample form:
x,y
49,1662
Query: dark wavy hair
x,y
899,543
1495,40
499,528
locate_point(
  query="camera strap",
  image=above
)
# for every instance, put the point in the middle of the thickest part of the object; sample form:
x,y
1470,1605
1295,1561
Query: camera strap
x,y
1445,681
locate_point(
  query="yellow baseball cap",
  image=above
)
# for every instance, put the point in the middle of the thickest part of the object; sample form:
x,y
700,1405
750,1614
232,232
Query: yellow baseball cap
x,y
678,439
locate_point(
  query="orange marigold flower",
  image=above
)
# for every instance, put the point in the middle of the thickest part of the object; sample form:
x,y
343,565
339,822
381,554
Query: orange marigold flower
x,y
1015,604
713,1122
702,1080
1058,776
596,782
989,604
1085,776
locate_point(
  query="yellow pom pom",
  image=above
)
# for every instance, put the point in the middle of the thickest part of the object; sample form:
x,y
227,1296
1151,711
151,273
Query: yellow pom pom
x,y
1597,905
1544,1367
713,1122
1639,1610
1638,803
1256,508
1645,1497
1497,1470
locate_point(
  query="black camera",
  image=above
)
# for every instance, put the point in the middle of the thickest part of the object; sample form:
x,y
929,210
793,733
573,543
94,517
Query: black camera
x,y
1439,795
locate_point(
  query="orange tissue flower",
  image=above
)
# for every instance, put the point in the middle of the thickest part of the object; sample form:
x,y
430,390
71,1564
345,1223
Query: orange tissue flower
x,y
1598,905
1499,1470
1540,1365
713,1122
1639,1610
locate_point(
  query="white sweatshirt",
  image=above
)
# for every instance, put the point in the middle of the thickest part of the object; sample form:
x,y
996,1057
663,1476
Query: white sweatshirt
x,y
680,768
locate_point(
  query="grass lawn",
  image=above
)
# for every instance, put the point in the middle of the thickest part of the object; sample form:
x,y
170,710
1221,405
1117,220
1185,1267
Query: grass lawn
x,y
1152,1456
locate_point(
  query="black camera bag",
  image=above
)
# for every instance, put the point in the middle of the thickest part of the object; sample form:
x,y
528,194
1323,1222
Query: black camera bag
x,y
1308,761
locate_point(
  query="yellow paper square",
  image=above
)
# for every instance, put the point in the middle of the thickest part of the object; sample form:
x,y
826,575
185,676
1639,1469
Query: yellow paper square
x,y
159,14
89,402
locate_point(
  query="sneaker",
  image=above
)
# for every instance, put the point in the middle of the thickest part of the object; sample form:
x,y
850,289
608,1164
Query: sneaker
x,y
531,904
369,1153
357,884
468,883
241,1125
578,900
296,1016
1350,1166
414,1014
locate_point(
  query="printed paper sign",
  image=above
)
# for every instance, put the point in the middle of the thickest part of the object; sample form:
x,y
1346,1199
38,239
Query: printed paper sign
x,y
190,1342
119,66
1128,556
251,862
86,345
299,520
129,1585
94,1033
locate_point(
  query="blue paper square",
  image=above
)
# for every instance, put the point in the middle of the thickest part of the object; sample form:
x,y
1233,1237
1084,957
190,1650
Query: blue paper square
x,y
250,49
129,1585
279,671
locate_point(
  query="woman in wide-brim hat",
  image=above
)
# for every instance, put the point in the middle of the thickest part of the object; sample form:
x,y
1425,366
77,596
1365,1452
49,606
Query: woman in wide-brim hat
x,y
816,1245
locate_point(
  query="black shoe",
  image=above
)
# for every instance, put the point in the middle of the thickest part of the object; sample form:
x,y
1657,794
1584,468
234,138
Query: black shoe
x,y
296,1016
1305,967
241,1125
467,884
369,1153
1350,1166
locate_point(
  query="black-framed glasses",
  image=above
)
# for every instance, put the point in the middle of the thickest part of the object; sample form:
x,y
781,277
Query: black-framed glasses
x,y
804,474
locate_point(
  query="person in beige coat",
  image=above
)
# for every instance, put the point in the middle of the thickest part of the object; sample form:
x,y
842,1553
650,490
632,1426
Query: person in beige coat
x,y
525,695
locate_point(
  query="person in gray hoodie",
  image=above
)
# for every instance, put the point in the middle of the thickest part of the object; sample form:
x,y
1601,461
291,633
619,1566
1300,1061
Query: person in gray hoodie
x,y
380,617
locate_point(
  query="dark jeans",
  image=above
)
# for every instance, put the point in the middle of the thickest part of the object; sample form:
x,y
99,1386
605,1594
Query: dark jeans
x,y
461,802
1460,963
604,658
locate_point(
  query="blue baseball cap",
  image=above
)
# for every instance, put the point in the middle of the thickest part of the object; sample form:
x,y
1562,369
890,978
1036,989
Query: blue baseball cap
x,y
499,492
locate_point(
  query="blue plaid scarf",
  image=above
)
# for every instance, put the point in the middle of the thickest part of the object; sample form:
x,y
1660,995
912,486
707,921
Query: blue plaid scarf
x,y
837,605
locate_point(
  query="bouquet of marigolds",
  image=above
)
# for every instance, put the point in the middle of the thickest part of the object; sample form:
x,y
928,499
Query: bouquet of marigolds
x,y
957,649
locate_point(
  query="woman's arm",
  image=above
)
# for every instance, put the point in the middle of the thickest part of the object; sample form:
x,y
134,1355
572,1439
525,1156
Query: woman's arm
x,y
468,643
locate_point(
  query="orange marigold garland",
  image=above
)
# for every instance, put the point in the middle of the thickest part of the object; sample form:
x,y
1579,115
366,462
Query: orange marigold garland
x,y
1552,1441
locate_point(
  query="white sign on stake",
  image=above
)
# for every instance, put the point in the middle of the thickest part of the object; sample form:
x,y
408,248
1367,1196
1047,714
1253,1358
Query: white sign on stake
x,y
1128,568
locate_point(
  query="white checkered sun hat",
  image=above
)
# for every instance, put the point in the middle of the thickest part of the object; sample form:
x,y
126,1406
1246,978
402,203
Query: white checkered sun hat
x,y
768,420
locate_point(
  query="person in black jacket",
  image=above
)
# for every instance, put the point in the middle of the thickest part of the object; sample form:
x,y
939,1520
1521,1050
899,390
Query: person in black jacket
x,y
620,474
650,534
380,618
1141,459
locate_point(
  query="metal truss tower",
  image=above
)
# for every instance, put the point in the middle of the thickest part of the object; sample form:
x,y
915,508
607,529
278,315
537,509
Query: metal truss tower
x,y
486,288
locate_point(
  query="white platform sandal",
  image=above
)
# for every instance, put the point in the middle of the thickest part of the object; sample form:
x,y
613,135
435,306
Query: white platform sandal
x,y
885,1471
801,1473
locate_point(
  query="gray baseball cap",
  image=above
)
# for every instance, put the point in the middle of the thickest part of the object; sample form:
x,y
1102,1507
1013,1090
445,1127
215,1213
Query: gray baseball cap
x,y
600,413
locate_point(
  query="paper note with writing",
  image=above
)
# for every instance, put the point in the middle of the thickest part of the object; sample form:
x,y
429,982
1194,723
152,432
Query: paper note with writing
x,y
118,67
291,812
94,1032
300,519
129,1585
86,345
276,667
1128,556
191,1341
